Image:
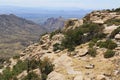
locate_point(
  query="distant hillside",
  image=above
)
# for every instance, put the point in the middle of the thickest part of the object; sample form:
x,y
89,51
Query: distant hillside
x,y
52,24
16,33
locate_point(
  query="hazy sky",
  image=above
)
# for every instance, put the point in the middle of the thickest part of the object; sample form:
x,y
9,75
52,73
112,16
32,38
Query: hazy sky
x,y
82,4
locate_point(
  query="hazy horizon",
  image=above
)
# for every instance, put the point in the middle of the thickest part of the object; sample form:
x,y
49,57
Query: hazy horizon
x,y
40,10
62,4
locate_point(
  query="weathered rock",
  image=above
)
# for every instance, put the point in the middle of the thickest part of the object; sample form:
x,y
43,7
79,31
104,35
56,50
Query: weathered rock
x,y
117,36
79,77
55,76
109,29
101,77
22,75
99,22
90,66
82,51
38,72
72,24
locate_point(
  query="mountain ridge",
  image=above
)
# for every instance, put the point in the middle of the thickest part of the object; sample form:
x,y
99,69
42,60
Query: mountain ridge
x,y
85,49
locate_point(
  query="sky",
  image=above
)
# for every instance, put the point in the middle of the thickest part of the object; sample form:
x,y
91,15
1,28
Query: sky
x,y
61,4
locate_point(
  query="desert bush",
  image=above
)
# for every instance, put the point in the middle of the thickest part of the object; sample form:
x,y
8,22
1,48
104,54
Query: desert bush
x,y
92,52
113,21
57,46
107,44
116,31
91,44
33,64
32,76
81,35
7,74
69,23
115,10
19,67
46,67
109,54
16,56
55,32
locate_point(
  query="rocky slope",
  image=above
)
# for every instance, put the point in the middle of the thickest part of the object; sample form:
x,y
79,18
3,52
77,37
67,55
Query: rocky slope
x,y
16,33
96,58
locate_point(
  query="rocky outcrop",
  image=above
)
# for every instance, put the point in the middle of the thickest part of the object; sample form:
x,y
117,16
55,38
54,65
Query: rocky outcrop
x,y
117,36
100,17
110,29
72,24
55,76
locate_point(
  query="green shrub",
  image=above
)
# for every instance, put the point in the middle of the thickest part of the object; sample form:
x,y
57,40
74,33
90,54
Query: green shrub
x,y
7,74
19,67
91,44
113,21
80,35
33,64
16,56
115,10
46,67
44,76
107,44
31,76
55,32
92,52
116,31
69,23
109,54
57,46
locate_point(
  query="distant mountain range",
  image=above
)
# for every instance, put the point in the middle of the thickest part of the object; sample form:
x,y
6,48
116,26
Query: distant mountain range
x,y
52,24
16,33
40,15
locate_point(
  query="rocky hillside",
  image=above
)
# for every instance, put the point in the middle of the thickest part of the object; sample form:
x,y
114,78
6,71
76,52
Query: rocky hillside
x,y
16,33
85,49
52,24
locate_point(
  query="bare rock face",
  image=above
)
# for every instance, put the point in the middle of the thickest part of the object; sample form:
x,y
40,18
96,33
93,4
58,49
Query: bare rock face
x,y
81,50
100,17
22,75
90,66
117,36
101,77
99,22
109,29
55,76
79,77
72,24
